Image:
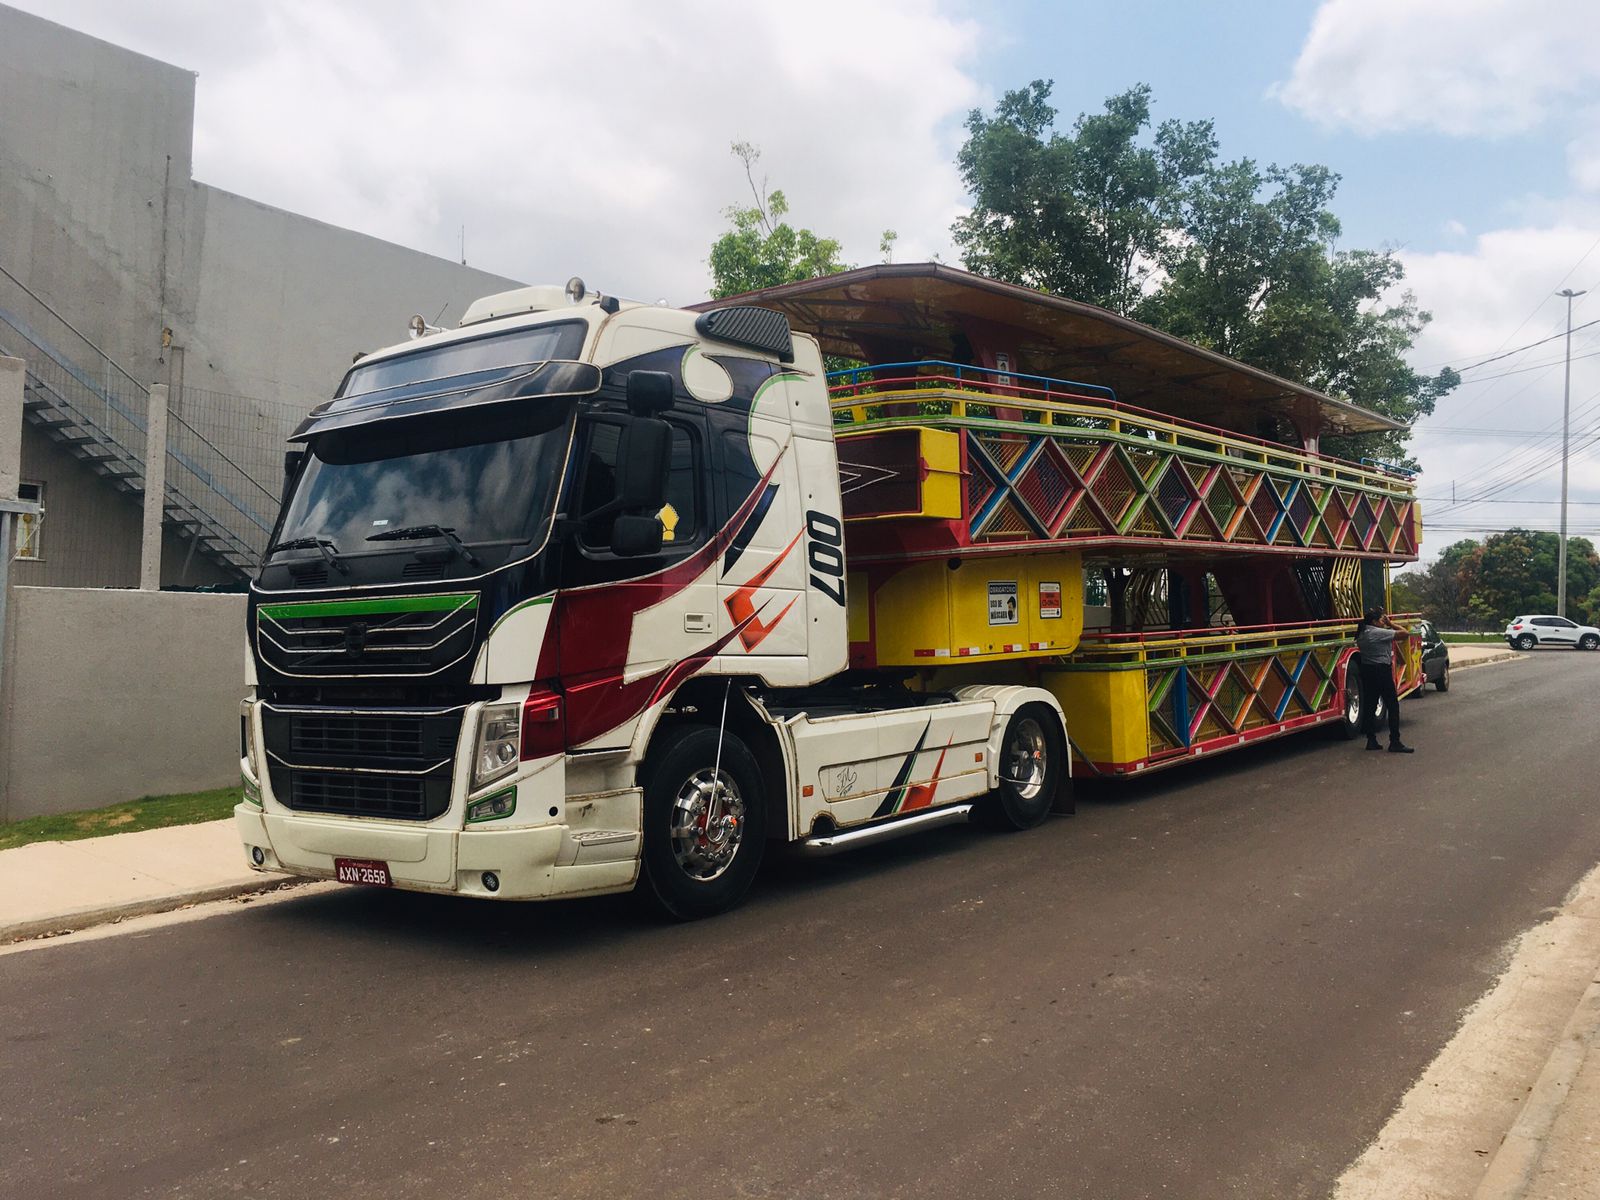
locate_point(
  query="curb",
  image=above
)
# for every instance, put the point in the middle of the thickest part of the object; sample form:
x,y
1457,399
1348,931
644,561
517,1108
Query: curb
x,y
1512,1168
105,914
1503,656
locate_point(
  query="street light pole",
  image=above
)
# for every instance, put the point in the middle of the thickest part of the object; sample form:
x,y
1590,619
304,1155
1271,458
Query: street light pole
x,y
1566,415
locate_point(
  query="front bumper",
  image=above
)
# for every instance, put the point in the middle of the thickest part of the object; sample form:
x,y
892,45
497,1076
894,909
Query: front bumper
x,y
531,863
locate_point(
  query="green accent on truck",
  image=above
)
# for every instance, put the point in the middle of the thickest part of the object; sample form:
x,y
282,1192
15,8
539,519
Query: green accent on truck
x,y
356,608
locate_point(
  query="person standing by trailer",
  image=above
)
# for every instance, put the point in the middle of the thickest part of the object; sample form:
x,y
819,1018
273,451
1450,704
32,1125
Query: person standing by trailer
x,y
1375,635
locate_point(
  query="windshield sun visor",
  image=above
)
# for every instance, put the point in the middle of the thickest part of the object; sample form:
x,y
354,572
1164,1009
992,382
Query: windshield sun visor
x,y
497,385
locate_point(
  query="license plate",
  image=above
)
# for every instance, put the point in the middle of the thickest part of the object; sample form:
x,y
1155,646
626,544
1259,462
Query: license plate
x,y
362,870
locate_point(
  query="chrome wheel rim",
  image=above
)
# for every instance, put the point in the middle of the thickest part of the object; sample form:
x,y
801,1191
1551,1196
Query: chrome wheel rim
x,y
1026,758
707,824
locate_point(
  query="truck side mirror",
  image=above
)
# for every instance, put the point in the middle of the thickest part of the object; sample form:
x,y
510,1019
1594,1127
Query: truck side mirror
x,y
649,392
643,460
632,536
294,462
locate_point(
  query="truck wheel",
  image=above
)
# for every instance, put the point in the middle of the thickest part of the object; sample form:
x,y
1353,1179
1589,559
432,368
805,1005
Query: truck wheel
x,y
1444,679
1350,719
1032,761
704,826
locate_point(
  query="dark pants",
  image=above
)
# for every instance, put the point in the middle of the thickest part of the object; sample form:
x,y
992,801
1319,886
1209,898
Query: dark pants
x,y
1377,679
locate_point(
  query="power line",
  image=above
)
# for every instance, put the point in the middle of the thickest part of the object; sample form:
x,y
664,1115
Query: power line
x,y
1555,362
1553,337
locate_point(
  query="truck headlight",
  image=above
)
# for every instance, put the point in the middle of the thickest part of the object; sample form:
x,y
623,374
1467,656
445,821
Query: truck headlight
x,y
499,743
247,737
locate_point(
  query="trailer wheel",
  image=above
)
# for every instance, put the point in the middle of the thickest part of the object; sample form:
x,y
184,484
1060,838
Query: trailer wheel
x,y
1033,759
1350,719
705,824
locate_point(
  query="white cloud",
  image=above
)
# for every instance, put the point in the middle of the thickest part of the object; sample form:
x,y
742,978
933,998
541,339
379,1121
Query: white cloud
x,y
1492,298
1461,67
586,138
1455,228
1583,152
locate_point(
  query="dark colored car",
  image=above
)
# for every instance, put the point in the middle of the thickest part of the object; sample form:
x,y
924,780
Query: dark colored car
x,y
1435,658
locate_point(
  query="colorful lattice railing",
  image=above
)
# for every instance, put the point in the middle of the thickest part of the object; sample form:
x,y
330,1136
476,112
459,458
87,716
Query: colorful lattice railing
x,y
1053,466
1212,689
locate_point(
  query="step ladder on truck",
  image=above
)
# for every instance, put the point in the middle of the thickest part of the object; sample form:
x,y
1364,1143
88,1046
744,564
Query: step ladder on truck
x,y
588,595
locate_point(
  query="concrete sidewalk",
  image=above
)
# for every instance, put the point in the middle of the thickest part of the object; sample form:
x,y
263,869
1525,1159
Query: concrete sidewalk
x,y
51,887
1480,654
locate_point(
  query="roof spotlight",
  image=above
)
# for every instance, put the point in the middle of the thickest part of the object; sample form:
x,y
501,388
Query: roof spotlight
x,y
575,290
417,326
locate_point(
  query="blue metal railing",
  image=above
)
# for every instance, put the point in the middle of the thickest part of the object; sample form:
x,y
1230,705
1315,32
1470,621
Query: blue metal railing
x,y
985,377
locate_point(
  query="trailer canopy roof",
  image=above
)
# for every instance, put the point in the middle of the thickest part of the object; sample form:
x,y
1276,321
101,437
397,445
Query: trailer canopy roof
x,y
907,311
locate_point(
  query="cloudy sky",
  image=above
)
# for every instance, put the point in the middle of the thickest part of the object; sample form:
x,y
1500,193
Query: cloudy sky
x,y
593,139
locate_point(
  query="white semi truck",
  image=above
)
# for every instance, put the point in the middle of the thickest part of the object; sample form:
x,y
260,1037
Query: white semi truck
x,y
558,604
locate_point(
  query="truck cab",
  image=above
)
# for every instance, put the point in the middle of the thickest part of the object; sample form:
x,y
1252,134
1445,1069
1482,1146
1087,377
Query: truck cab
x,y
557,599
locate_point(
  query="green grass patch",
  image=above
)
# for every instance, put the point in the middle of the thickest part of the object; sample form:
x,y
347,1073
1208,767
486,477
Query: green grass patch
x,y
1473,637
152,812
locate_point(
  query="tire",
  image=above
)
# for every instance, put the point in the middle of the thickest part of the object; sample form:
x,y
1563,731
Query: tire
x,y
688,872
1033,762
1526,642
1443,683
1350,720
1589,642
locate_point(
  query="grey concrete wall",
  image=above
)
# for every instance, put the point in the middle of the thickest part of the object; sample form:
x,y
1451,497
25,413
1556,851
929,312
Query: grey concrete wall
x,y
95,155
100,216
113,695
104,220
282,302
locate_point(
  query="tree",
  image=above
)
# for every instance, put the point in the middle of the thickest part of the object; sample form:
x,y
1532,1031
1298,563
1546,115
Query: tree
x,y
1514,573
1440,591
762,250
1081,215
1254,275
1231,256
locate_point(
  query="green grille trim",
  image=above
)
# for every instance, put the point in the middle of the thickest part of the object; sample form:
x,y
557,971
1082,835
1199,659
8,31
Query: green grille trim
x,y
354,608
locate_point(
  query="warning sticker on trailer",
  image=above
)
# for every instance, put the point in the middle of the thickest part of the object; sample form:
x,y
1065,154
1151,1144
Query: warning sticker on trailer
x,y
1049,599
1003,603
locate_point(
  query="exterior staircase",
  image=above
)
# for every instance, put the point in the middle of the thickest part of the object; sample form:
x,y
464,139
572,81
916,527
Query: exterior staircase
x,y
96,411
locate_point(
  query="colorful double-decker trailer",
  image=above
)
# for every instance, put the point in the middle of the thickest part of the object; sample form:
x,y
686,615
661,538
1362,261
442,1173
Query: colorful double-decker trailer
x,y
588,595
1038,489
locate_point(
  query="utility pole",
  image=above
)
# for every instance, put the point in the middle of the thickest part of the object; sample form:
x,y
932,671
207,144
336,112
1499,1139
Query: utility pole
x,y
1566,416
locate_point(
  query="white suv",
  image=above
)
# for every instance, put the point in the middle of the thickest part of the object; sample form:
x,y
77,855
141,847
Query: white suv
x,y
1524,633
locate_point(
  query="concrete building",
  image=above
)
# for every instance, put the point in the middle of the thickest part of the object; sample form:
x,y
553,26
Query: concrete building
x,y
118,270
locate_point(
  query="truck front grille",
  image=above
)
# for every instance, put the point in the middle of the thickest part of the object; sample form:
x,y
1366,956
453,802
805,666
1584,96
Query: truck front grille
x,y
410,637
369,736
394,763
400,797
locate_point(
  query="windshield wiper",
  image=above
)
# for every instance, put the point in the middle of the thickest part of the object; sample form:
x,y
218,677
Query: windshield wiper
x,y
412,533
329,550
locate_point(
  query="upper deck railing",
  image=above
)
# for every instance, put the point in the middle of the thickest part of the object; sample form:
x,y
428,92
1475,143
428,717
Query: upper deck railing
x,y
871,395
1049,460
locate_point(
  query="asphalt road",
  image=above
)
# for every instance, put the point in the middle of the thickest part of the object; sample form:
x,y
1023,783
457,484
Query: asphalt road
x,y
1214,982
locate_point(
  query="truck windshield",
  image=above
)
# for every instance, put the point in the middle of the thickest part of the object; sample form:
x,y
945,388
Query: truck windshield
x,y
488,476
461,360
